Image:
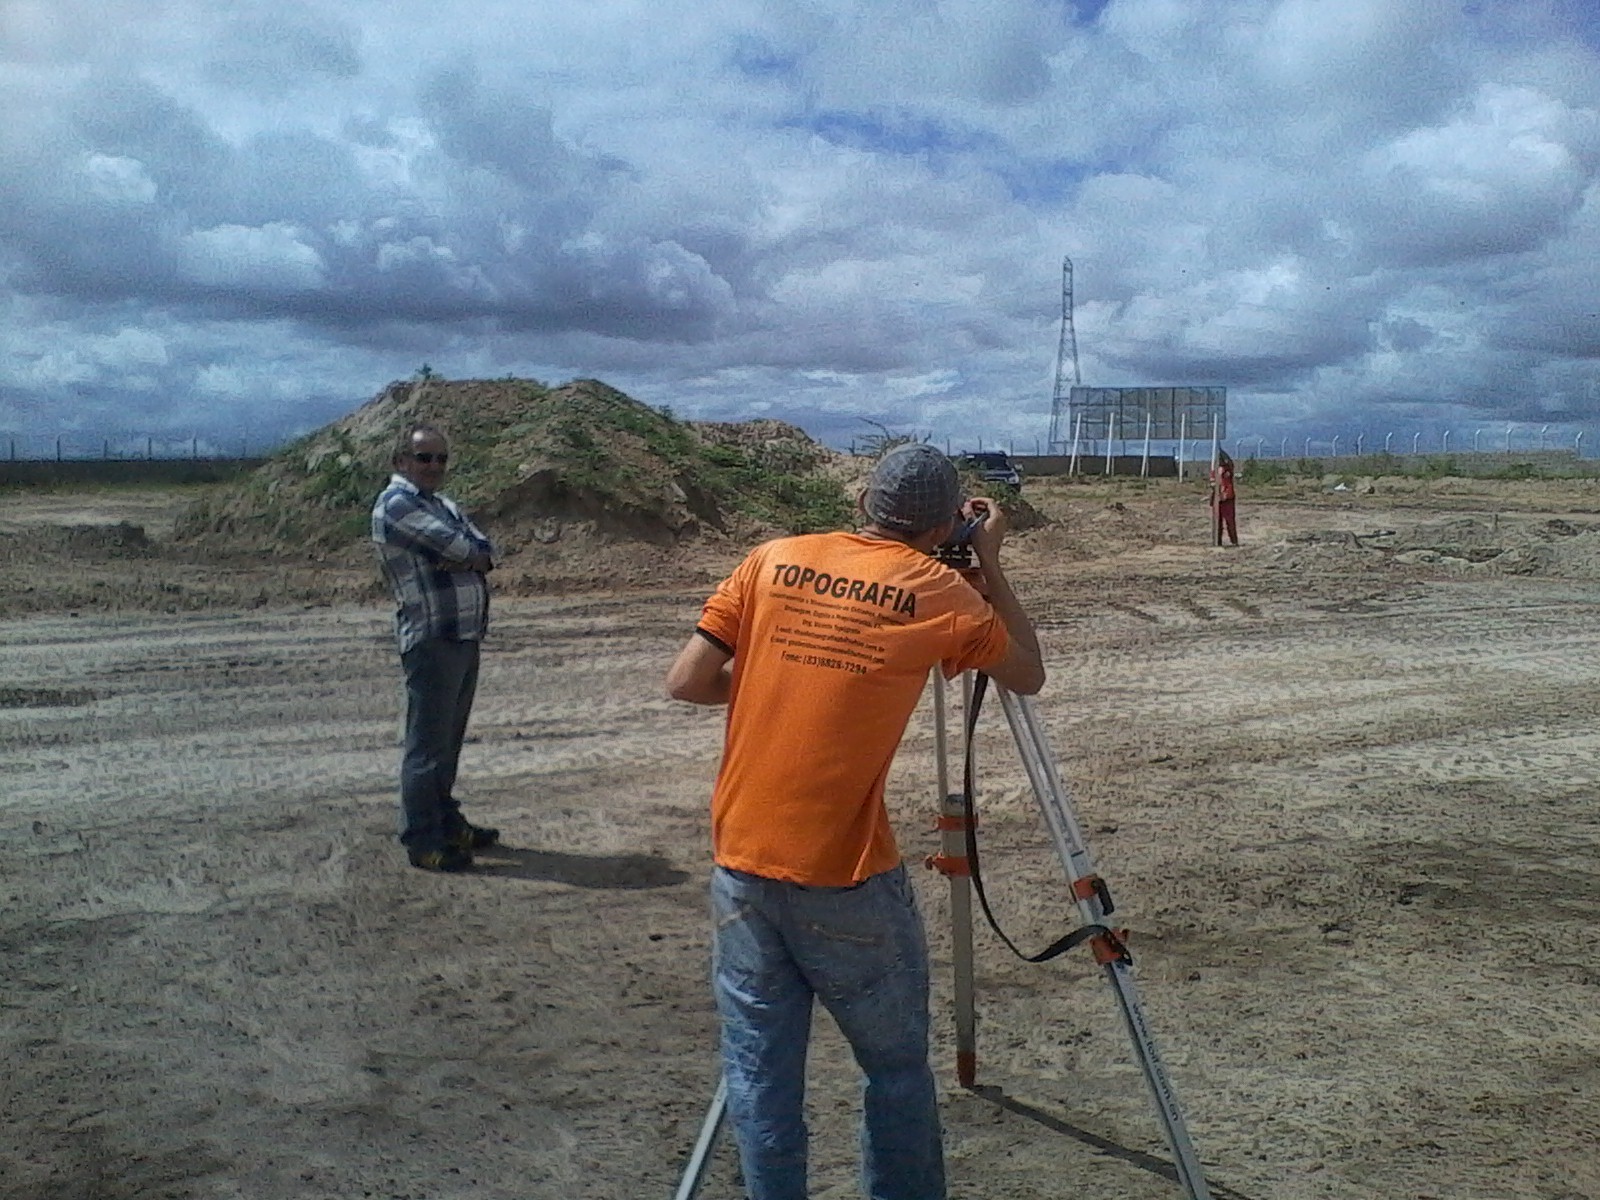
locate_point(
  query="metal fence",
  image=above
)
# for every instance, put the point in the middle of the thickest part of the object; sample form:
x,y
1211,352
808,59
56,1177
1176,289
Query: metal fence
x,y
1475,439
82,447
143,447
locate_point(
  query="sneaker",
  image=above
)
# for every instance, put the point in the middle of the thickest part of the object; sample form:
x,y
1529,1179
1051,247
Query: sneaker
x,y
472,837
446,858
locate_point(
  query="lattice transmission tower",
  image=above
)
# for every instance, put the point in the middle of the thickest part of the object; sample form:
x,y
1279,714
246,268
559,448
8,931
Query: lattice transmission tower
x,y
1066,352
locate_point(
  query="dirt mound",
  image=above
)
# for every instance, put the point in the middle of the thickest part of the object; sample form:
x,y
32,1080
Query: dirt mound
x,y
120,540
579,485
1570,551
562,471
1080,532
1492,544
1463,537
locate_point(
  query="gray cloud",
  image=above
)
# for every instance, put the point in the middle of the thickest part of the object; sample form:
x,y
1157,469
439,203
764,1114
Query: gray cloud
x,y
269,54
241,212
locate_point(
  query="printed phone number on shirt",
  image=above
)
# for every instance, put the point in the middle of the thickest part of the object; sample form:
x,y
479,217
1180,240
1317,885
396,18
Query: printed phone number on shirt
x,y
817,660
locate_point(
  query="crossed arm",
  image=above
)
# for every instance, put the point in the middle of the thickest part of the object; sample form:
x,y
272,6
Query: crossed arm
x,y
412,527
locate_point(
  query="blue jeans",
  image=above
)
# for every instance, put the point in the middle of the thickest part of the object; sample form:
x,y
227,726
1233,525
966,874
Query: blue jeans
x,y
441,681
861,950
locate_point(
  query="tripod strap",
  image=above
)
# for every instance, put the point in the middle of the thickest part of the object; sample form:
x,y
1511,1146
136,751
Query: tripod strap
x,y
1109,946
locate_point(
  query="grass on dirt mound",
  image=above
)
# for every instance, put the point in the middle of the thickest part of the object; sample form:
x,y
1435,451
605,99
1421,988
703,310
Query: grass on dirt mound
x,y
534,462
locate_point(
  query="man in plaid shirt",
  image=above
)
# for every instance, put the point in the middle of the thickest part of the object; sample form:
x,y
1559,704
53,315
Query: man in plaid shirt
x,y
435,561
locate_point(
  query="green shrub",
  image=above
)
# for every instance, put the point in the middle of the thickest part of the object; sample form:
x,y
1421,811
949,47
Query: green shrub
x,y
1439,467
339,478
1258,470
1515,471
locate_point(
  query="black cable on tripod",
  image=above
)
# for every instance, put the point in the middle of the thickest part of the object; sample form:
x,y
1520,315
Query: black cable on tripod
x,y
969,804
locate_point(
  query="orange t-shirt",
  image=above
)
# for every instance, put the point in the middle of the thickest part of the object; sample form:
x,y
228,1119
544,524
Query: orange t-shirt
x,y
833,636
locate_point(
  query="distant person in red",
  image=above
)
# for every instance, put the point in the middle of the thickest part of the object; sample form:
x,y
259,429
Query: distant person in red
x,y
1222,499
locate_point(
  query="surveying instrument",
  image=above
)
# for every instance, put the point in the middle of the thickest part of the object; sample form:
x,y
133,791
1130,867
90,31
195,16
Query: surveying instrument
x,y
957,860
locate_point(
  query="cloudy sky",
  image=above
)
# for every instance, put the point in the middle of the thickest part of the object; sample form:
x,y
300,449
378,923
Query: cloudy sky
x,y
232,218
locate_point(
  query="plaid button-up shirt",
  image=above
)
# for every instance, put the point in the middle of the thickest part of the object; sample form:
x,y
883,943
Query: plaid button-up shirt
x,y
417,533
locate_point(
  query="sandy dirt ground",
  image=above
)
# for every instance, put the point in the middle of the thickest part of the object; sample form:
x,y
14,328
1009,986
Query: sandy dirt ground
x,y
1342,782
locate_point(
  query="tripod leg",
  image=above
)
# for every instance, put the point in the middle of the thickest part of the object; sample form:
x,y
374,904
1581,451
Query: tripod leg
x,y
694,1172
1184,1158
1094,906
952,861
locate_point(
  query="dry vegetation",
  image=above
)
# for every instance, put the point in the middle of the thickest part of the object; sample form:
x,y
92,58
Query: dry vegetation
x,y
556,475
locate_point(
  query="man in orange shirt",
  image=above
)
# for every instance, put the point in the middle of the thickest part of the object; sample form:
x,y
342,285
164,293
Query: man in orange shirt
x,y
820,646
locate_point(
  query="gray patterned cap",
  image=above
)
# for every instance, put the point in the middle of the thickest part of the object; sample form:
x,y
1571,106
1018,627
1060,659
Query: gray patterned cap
x,y
912,489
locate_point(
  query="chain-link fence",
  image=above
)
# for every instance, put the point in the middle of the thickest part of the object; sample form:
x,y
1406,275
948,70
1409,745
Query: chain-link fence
x,y
1476,439
133,447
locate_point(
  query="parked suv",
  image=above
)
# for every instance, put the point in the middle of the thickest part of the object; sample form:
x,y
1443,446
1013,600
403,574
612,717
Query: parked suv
x,y
992,466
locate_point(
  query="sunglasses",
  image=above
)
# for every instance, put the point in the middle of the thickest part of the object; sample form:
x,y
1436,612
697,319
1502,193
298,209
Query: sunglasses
x,y
425,457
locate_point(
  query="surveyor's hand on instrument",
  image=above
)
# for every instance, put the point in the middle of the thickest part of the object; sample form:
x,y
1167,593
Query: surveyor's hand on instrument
x,y
990,530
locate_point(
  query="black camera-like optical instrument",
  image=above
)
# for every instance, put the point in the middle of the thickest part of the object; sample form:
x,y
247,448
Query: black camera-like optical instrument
x,y
956,550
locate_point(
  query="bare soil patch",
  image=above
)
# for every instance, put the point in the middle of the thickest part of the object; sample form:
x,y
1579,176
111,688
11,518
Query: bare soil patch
x,y
1341,781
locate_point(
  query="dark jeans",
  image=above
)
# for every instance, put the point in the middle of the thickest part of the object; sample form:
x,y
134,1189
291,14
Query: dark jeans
x,y
441,680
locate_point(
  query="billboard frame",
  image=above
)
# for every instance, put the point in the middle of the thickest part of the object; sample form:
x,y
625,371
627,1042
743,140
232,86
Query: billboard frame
x,y
1164,413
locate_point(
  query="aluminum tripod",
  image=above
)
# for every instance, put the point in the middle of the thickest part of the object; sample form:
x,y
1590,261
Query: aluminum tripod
x,y
1094,905
694,1173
